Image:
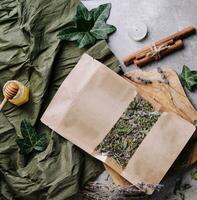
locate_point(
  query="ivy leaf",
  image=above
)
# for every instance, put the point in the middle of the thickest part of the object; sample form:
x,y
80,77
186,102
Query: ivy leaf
x,y
101,30
101,13
89,26
71,34
31,140
83,38
189,78
83,12
87,39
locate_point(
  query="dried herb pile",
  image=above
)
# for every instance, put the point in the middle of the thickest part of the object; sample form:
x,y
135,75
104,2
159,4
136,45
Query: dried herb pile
x,y
130,130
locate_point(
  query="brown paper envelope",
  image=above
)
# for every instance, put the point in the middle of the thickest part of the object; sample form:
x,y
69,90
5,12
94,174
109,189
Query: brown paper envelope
x,y
88,103
158,150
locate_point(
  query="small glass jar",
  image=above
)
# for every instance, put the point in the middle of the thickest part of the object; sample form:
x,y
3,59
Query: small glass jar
x,y
22,95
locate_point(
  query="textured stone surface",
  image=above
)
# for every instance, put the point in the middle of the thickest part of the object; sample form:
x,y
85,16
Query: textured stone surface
x,y
163,17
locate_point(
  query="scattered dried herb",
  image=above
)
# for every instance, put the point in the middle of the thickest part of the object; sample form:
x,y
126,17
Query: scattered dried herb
x,y
145,81
194,174
181,196
178,185
101,191
31,139
163,76
130,130
89,26
189,78
107,191
144,187
185,186
180,188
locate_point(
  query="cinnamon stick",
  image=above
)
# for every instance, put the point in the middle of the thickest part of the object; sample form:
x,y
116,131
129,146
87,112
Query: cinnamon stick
x,y
142,55
176,46
176,36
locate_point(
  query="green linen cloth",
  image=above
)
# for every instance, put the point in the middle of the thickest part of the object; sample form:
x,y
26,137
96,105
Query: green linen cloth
x,y
30,52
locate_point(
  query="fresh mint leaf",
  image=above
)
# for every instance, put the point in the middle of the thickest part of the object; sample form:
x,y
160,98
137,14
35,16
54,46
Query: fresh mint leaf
x,y
189,78
31,140
89,26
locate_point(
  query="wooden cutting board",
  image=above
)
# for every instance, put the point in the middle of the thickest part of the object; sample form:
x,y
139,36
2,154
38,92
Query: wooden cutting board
x,y
167,95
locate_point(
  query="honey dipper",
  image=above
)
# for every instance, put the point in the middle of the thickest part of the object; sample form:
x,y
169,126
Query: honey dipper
x,y
10,92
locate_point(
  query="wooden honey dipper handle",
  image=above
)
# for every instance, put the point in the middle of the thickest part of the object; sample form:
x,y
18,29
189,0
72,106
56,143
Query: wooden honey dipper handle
x,y
3,103
10,91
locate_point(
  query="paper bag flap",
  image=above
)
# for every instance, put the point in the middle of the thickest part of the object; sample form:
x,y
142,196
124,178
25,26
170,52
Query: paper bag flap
x,y
158,150
88,104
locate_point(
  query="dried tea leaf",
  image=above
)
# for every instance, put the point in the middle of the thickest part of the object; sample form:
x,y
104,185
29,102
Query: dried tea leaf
x,y
89,26
31,140
130,130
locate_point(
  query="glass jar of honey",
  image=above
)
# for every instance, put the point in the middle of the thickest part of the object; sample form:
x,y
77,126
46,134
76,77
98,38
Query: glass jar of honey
x,y
22,95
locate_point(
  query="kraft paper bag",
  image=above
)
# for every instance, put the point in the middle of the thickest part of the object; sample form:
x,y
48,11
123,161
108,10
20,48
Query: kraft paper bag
x,y
87,106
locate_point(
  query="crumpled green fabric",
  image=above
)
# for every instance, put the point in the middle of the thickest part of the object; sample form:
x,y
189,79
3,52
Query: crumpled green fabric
x,y
31,53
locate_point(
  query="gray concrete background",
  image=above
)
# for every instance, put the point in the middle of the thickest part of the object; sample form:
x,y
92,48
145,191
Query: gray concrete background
x,y
163,17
